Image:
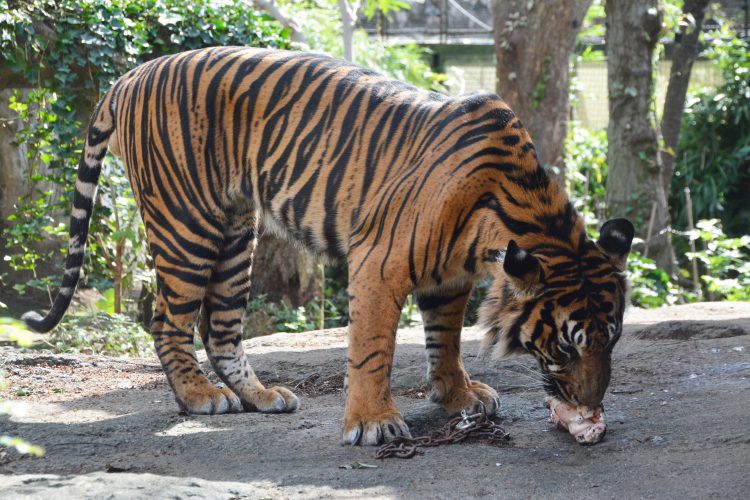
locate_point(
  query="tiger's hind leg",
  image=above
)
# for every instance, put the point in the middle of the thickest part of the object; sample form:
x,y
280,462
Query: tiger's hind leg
x,y
173,328
450,385
221,320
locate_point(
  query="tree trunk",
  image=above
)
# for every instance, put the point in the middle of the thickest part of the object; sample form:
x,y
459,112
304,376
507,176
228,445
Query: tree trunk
x,y
686,48
634,183
283,272
534,42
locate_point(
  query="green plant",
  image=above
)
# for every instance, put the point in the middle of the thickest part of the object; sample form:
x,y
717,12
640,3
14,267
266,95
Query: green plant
x,y
384,7
70,51
120,241
714,152
34,220
410,313
649,285
406,62
283,317
101,333
724,270
725,262
586,167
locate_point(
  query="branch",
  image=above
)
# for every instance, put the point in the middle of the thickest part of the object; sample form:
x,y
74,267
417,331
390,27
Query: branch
x,y
286,21
349,12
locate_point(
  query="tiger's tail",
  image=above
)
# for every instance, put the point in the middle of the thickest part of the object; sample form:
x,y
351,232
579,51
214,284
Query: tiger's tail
x,y
89,167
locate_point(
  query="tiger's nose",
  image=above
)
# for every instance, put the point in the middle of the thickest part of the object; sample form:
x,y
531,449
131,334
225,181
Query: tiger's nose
x,y
592,377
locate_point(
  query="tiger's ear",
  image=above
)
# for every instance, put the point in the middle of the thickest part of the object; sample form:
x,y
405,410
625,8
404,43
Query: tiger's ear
x,y
522,268
615,238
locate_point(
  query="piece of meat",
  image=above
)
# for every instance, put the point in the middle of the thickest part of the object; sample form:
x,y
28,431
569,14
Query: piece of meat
x,y
582,422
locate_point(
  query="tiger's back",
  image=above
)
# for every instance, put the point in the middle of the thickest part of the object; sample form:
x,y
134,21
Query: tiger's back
x,y
419,192
318,144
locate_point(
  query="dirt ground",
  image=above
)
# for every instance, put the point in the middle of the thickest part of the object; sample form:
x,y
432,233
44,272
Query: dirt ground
x,y
677,413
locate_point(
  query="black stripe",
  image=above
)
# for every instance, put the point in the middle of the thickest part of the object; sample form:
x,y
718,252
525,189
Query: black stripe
x,y
427,302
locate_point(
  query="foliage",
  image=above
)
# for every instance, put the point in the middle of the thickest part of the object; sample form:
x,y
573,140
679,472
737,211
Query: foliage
x,y
14,331
724,261
101,333
384,7
119,250
592,32
649,285
586,166
406,62
540,89
285,318
724,270
714,152
724,267
21,446
593,27
321,22
33,222
410,313
72,51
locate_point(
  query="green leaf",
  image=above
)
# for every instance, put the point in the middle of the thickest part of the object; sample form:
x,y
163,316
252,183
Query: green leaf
x,y
107,304
169,18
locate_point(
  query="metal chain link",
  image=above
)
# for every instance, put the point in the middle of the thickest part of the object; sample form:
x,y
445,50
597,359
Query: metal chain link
x,y
458,429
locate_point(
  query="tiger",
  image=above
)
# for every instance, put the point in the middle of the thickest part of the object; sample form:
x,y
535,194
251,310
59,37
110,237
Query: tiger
x,y
417,192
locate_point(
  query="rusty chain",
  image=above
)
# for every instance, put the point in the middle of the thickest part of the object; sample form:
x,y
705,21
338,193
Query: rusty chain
x,y
477,426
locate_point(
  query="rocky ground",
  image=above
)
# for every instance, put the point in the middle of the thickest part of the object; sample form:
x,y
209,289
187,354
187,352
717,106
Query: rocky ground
x,y
677,412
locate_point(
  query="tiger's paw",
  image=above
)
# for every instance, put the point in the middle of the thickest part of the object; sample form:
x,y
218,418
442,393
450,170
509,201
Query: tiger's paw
x,y
374,430
271,400
469,398
209,400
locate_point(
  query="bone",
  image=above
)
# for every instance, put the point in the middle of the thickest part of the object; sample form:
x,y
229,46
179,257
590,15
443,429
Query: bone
x,y
585,424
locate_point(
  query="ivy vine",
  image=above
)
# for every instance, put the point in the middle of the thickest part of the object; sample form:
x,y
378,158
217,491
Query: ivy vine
x,y
68,52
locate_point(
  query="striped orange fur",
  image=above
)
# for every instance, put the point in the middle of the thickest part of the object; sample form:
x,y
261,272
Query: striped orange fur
x,y
418,192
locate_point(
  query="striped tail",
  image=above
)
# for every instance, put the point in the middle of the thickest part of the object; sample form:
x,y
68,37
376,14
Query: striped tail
x,y
89,168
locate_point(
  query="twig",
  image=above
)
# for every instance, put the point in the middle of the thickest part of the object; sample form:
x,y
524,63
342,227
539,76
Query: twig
x,y
693,259
650,230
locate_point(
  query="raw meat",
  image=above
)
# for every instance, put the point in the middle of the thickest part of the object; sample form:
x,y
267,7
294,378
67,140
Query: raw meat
x,y
582,422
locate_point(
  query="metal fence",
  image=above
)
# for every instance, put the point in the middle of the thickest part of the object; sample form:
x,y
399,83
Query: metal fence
x,y
590,106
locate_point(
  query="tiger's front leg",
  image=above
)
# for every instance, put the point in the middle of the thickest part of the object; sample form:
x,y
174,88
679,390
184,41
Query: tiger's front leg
x,y
371,416
450,385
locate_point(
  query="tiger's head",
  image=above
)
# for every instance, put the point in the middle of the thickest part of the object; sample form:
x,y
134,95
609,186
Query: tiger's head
x,y
565,308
